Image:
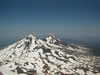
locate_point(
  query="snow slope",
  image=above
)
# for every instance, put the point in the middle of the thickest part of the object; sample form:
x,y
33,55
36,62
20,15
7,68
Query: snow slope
x,y
51,56
3,71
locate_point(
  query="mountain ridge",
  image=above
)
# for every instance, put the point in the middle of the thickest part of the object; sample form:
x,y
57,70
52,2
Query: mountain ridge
x,y
46,57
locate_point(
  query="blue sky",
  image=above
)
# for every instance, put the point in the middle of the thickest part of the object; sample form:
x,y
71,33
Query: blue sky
x,y
64,18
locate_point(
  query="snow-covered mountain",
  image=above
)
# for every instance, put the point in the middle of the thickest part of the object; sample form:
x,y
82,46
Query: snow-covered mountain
x,y
51,56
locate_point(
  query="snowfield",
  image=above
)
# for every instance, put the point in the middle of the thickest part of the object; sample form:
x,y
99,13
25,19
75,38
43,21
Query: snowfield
x,y
51,56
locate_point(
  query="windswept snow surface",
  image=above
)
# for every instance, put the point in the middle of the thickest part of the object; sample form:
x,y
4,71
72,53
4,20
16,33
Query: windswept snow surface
x,y
3,71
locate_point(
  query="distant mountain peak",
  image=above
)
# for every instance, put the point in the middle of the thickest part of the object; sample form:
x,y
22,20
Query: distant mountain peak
x,y
51,35
51,38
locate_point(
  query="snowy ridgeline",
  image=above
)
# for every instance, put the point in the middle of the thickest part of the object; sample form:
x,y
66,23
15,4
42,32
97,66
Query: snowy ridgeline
x,y
51,56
